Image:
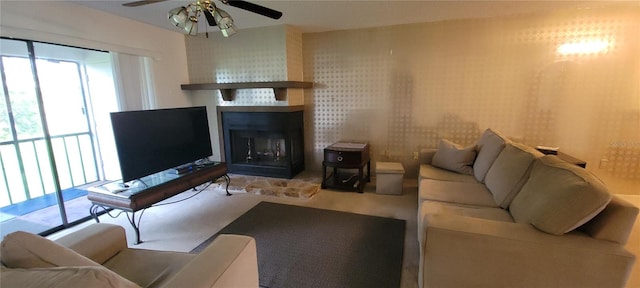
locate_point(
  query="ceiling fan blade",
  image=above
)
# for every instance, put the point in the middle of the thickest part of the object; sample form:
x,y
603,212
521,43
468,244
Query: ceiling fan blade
x,y
255,8
140,3
210,19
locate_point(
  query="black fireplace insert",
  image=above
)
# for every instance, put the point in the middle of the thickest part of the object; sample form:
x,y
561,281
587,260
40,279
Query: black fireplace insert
x,y
263,141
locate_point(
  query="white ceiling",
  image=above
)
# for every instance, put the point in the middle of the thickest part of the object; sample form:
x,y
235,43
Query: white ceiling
x,y
320,15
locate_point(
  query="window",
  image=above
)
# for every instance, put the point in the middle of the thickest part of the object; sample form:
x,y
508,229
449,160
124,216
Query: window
x,y
54,132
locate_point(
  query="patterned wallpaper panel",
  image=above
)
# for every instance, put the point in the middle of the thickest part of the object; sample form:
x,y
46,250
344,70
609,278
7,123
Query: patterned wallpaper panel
x,y
251,56
405,87
569,79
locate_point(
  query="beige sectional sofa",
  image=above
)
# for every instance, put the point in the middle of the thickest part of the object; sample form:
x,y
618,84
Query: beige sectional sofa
x,y
501,214
97,256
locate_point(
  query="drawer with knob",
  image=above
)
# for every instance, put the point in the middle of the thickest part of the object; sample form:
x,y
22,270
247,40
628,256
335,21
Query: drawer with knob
x,y
347,154
342,159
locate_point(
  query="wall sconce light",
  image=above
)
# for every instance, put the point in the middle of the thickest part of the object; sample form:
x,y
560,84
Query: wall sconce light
x,y
584,47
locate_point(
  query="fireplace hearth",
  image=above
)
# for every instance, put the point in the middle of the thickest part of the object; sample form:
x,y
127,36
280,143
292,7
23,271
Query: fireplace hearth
x,y
263,140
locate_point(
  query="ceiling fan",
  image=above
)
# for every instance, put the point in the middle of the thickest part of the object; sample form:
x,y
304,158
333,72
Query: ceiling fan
x,y
186,17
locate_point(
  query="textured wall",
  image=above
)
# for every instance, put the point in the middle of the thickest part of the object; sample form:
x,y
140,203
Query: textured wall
x,y
405,87
251,55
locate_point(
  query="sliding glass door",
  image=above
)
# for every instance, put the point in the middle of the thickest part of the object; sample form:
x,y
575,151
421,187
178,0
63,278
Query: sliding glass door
x,y
47,144
28,181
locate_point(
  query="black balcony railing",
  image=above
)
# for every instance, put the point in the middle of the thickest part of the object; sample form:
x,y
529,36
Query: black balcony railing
x,y
26,170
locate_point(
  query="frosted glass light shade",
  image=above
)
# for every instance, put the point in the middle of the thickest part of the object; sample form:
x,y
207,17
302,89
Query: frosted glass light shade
x,y
224,22
226,32
191,27
178,17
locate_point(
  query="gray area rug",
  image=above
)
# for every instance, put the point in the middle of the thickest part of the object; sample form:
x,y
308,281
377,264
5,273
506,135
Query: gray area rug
x,y
309,247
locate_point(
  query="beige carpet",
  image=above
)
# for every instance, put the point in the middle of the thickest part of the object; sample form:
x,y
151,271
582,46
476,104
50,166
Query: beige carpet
x,y
184,225
300,187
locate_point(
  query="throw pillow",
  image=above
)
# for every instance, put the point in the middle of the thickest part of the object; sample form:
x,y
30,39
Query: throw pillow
x,y
26,250
82,276
453,157
489,147
509,172
559,197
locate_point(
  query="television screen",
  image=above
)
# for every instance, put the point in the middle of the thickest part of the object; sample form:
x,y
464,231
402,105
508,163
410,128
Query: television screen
x,y
150,141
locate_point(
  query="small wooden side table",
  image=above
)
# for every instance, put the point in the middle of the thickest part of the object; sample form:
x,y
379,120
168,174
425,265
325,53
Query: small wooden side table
x,y
564,156
571,159
342,157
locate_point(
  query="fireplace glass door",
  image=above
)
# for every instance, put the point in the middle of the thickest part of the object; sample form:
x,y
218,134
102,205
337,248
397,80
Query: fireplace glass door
x,y
264,143
259,148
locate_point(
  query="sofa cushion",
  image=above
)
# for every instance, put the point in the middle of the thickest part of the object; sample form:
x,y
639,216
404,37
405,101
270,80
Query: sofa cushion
x,y
489,147
462,193
558,197
431,172
489,213
432,207
148,268
63,277
26,250
454,157
510,171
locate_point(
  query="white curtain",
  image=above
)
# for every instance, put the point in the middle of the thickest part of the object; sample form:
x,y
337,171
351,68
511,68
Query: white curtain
x,y
134,82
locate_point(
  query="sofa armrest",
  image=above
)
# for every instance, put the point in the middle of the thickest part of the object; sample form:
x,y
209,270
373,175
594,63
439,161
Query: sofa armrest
x,y
460,251
98,242
426,155
229,261
614,223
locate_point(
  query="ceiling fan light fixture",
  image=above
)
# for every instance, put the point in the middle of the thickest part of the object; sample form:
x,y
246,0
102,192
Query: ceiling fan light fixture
x,y
227,32
186,18
191,27
224,22
178,17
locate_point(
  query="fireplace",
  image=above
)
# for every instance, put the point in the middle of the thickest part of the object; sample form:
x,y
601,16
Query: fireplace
x,y
263,141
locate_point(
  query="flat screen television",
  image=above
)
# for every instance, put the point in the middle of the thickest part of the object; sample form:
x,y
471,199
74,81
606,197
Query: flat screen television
x,y
150,141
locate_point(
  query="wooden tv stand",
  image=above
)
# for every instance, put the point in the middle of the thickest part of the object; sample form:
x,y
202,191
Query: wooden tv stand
x,y
150,190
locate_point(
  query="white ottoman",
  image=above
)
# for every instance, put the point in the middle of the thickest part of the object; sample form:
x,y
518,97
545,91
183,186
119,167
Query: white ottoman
x,y
389,178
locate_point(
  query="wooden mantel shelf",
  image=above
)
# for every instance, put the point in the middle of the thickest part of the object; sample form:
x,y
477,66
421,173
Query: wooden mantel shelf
x,y
228,90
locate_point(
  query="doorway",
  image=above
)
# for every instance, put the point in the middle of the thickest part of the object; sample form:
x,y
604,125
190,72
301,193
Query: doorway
x,y
49,148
